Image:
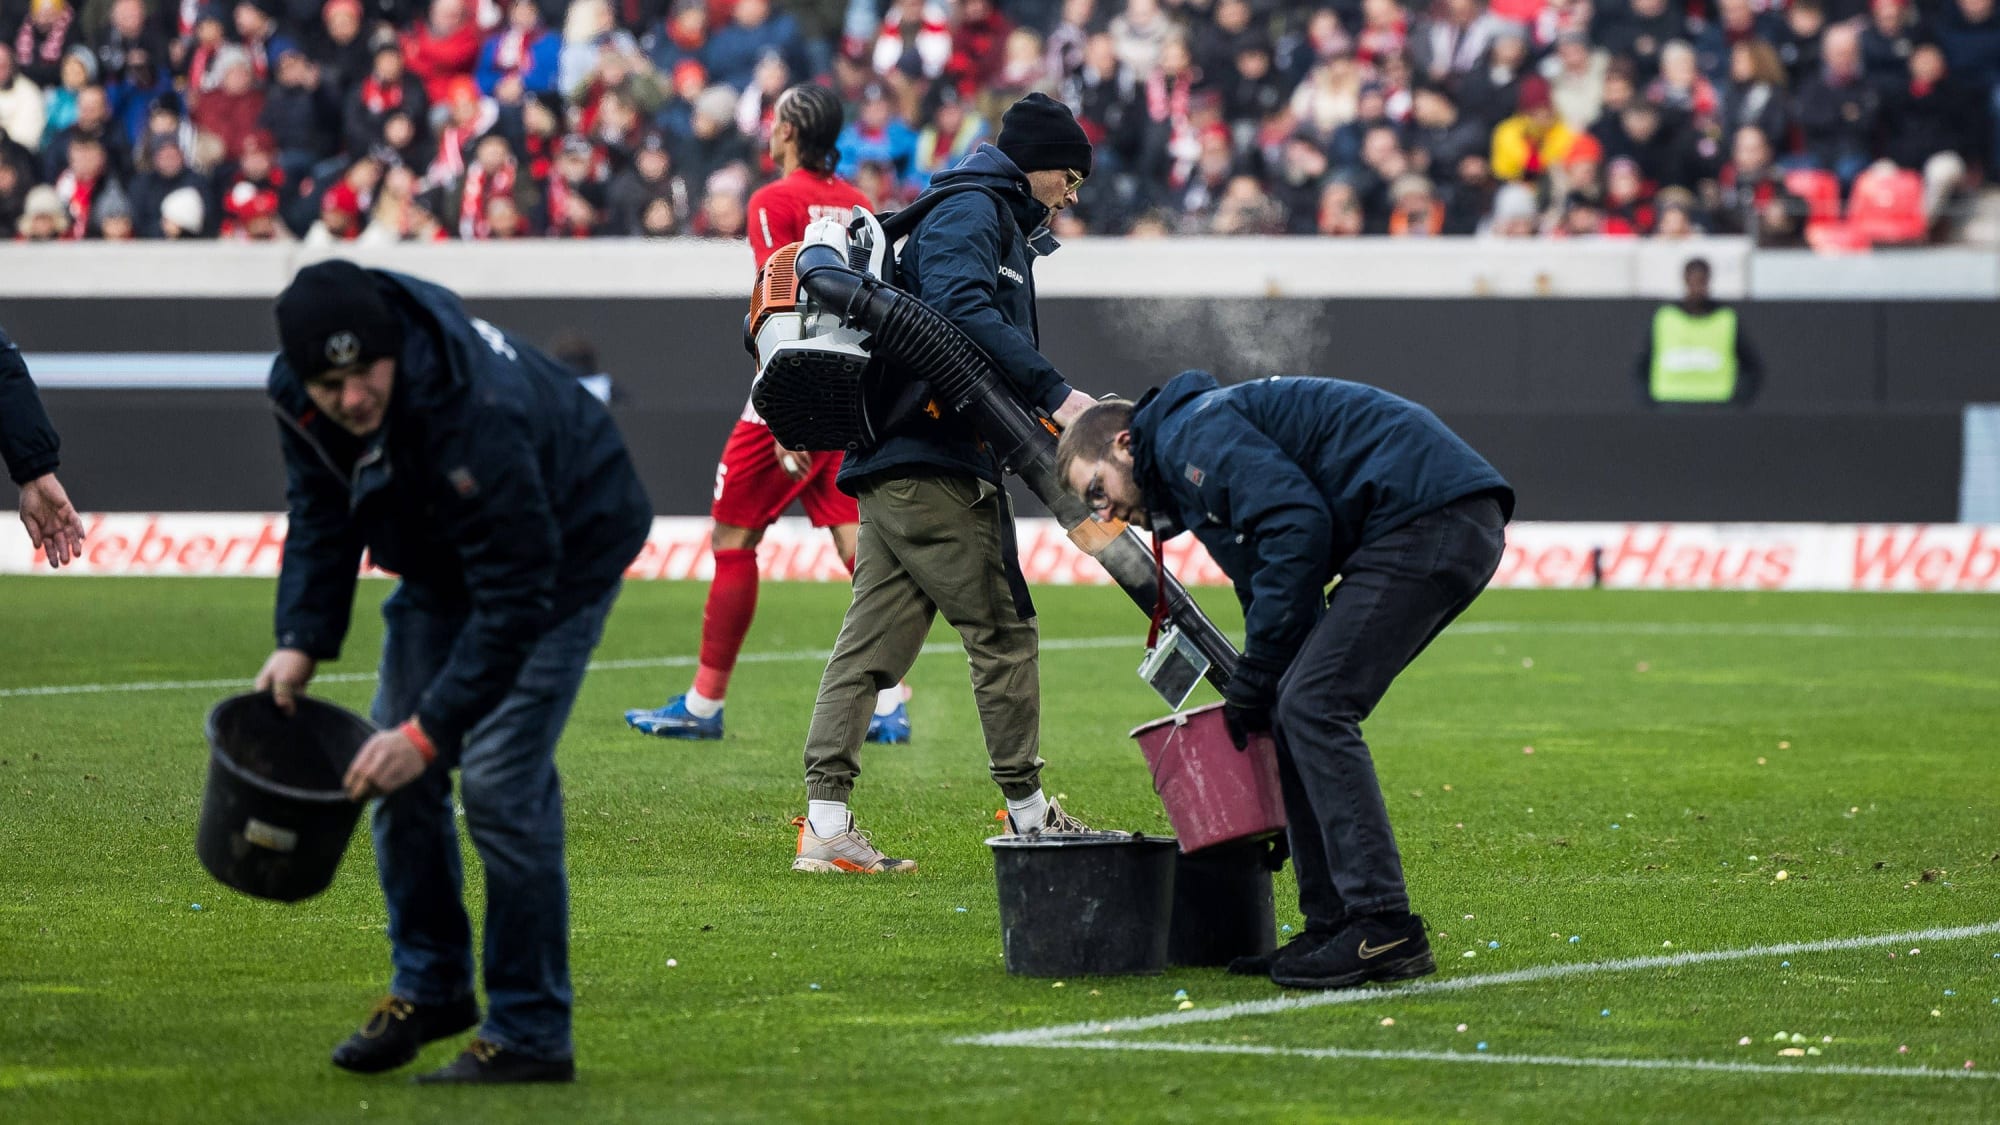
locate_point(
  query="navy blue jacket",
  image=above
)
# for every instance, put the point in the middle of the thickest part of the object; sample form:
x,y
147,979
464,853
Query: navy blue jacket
x,y
1283,479
498,488
974,267
28,443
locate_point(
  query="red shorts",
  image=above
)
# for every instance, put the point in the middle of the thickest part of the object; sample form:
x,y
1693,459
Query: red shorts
x,y
752,490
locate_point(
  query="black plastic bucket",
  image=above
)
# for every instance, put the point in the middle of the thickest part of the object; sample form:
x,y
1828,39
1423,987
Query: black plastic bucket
x,y
1084,903
275,821
1222,905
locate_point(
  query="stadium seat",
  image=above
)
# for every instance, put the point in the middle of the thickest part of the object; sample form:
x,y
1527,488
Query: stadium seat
x,y
1820,190
1888,206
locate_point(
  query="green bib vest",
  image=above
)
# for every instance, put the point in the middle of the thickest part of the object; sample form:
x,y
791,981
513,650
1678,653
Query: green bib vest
x,y
1694,358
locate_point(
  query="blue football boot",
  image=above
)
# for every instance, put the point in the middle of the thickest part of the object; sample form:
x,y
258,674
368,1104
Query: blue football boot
x,y
892,727
675,721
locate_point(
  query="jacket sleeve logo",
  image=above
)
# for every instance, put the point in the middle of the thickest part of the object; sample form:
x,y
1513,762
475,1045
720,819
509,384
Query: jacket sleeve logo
x,y
1012,275
1194,475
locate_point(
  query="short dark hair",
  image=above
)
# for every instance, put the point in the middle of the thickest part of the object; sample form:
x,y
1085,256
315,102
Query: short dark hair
x,y
814,112
1694,264
1089,438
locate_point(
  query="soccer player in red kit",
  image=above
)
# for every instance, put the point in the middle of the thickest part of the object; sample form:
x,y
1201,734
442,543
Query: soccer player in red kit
x,y
757,479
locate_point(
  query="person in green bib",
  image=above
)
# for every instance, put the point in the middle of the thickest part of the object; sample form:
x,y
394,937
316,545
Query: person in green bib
x,y
1696,353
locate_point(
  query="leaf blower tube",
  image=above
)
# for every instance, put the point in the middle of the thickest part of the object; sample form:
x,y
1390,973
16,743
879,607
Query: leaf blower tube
x,y
917,338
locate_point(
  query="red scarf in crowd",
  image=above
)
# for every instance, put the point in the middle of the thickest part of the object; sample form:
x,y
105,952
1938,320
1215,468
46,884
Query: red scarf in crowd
x,y
515,52
49,49
479,187
79,194
379,99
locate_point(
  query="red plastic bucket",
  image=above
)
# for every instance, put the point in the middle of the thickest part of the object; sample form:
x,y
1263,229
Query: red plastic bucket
x,y
1214,793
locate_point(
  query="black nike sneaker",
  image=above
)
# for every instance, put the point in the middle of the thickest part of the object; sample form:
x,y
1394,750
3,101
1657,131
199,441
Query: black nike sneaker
x,y
396,1029
1371,948
484,1062
1261,964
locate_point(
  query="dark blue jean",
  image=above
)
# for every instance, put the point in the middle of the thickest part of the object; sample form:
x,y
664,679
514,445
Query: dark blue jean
x,y
1395,596
514,811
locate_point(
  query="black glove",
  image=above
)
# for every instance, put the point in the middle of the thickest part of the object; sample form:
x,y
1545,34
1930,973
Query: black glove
x,y
1247,701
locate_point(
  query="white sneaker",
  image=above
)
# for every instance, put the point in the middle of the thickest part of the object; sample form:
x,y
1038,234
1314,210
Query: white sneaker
x,y
1056,821
850,852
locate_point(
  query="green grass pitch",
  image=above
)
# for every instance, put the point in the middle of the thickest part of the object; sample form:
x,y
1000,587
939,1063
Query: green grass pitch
x,y
1686,749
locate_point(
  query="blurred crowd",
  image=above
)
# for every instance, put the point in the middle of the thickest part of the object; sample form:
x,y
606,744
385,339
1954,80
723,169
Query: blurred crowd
x,y
395,120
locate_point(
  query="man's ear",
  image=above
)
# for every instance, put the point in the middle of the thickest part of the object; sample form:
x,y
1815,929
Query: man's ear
x,y
1122,442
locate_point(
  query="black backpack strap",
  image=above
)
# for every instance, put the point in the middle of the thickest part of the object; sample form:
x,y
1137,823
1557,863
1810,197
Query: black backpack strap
x,y
898,225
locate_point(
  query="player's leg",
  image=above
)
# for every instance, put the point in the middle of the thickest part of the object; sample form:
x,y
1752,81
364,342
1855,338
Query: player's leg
x,y
828,507
880,638
417,859
1394,597
959,532
751,489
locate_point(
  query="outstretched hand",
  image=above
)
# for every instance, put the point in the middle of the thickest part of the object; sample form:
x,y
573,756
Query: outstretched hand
x,y
52,523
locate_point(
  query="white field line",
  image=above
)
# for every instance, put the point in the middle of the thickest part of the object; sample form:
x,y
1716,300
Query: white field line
x,y
1071,644
1726,629
1073,1032
1059,644
1516,1060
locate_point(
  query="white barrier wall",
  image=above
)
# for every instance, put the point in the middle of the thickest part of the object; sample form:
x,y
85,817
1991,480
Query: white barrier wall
x,y
1659,556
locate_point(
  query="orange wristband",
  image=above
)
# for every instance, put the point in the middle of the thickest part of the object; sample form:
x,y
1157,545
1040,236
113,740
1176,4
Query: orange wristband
x,y
416,735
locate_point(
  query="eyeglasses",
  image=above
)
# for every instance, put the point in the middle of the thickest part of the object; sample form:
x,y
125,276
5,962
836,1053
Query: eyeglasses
x,y
1093,493
1074,182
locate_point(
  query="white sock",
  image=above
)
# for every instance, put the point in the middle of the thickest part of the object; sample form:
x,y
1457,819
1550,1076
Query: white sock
x,y
827,819
1029,812
888,699
701,706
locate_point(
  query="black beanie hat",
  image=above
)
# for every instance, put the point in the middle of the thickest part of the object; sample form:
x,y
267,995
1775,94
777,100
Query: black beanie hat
x,y
1038,133
332,315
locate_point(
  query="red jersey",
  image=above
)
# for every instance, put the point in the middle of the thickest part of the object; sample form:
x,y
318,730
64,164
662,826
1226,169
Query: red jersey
x,y
780,211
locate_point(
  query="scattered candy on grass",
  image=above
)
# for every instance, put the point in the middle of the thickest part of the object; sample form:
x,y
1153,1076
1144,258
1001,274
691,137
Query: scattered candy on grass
x,y
1527,749
1605,1012
1180,994
1574,938
1903,1050
1186,1004
1743,1042
1614,828
1492,945
1826,1038
1480,1046
1797,1038
1468,953
814,987
1288,929
1793,1052
1780,1037
1461,1028
1935,1012
1388,1021
1914,952
1527,662
1666,945
673,964
961,909
1057,984
194,906
1950,992
1784,964
1760,761
1781,876
1468,918
1968,1064
1784,746
1813,1051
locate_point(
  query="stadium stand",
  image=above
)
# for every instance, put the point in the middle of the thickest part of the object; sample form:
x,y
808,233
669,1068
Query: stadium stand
x,y
379,121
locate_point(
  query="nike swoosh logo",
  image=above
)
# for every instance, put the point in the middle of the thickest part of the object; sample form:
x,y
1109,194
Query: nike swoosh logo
x,y
1368,952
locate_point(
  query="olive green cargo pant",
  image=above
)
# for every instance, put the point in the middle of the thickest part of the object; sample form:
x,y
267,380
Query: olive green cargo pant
x,y
929,545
